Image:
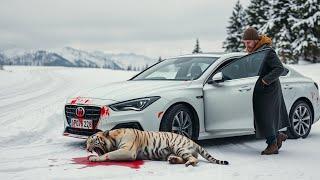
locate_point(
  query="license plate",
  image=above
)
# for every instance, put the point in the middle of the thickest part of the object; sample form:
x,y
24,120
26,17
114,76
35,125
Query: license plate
x,y
83,124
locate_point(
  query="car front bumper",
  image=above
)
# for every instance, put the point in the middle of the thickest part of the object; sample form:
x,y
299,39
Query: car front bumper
x,y
107,119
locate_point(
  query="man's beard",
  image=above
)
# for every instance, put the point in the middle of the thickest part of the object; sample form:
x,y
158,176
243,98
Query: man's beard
x,y
250,49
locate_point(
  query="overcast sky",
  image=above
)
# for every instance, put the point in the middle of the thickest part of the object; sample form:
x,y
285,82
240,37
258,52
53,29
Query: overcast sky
x,y
150,27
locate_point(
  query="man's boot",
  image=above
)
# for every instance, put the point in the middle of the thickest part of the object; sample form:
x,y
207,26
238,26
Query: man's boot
x,y
271,149
281,138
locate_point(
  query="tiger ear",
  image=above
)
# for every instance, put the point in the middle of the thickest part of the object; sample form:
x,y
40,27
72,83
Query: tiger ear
x,y
106,133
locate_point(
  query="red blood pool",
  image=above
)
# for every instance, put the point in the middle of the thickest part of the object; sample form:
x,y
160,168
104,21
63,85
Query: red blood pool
x,y
84,161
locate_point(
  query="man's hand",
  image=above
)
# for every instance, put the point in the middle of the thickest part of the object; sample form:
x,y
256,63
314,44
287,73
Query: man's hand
x,y
264,82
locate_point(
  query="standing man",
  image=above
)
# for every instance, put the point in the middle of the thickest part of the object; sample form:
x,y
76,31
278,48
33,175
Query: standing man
x,y
269,109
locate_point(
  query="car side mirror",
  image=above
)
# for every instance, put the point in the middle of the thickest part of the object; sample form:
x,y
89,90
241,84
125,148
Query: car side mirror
x,y
218,77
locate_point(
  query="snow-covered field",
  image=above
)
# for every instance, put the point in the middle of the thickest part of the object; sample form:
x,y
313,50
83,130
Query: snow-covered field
x,y
32,145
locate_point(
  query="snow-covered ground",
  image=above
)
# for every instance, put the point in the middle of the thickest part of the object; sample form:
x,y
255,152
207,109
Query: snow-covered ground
x,y
32,145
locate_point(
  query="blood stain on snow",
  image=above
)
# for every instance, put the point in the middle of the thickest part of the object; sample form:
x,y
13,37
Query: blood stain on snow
x,y
84,161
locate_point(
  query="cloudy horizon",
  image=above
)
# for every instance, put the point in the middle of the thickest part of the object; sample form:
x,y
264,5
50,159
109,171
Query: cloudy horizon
x,y
148,27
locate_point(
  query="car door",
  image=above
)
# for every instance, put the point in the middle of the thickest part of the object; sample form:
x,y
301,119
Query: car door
x,y
228,104
289,87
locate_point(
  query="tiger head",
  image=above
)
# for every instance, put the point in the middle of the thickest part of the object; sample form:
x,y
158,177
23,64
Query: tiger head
x,y
100,143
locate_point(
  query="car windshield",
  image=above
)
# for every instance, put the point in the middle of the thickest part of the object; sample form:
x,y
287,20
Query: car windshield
x,y
182,68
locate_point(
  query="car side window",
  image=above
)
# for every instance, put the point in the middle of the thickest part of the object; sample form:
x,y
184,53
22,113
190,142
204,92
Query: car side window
x,y
247,66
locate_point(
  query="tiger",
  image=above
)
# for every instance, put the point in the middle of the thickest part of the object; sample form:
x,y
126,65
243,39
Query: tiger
x,y
127,144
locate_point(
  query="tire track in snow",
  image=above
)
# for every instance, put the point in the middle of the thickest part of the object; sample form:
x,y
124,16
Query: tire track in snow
x,y
38,107
30,81
42,107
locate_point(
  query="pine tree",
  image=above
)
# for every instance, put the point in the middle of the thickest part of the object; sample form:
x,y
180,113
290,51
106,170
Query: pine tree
x,y
233,42
197,48
2,59
278,28
279,14
160,59
129,68
306,29
283,46
258,14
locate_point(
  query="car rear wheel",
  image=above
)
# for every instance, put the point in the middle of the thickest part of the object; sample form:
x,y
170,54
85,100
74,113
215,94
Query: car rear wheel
x,y
300,120
180,119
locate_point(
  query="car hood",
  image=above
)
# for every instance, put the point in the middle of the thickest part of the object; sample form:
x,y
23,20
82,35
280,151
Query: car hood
x,y
121,91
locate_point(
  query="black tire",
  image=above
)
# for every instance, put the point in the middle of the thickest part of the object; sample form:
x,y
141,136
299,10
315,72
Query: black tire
x,y
169,123
301,119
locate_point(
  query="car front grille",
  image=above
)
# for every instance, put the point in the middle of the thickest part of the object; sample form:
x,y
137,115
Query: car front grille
x,y
91,113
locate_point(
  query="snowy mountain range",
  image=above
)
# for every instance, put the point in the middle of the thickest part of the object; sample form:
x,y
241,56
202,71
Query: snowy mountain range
x,y
71,57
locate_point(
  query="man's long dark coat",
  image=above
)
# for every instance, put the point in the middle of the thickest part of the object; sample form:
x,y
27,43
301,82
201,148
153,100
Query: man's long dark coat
x,y
270,113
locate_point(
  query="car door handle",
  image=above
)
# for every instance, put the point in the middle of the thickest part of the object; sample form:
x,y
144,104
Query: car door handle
x,y
244,88
286,86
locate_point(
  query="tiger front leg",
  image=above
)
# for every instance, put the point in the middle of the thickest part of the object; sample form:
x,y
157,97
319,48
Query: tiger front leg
x,y
94,158
122,155
117,155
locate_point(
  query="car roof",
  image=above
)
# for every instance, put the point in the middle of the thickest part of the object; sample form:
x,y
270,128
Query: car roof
x,y
223,55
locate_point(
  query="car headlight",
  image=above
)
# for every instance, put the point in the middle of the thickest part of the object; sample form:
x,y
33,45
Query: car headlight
x,y
135,104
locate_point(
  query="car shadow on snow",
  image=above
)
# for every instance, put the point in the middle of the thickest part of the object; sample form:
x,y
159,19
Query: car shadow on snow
x,y
245,145
218,142
227,140
78,143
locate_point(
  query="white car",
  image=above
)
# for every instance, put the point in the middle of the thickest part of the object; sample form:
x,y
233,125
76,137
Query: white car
x,y
201,96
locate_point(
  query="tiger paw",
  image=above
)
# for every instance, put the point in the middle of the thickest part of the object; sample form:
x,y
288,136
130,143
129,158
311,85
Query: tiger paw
x,y
93,158
172,159
191,162
175,160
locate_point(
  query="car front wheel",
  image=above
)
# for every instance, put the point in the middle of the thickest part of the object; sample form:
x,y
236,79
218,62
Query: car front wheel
x,y
180,120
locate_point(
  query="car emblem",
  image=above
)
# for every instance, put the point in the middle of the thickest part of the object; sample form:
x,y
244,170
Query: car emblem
x,y
80,111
